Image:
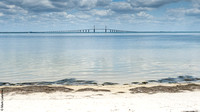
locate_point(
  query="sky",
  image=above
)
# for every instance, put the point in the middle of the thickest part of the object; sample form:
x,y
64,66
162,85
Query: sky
x,y
134,15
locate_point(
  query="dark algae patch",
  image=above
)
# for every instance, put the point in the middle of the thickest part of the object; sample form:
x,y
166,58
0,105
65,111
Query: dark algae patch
x,y
109,83
73,81
121,92
93,90
165,89
35,89
70,81
191,111
143,89
135,83
179,79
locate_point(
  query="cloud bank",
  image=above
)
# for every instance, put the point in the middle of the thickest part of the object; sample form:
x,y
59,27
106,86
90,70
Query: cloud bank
x,y
88,12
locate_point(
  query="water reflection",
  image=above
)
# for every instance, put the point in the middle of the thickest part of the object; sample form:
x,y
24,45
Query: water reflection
x,y
118,58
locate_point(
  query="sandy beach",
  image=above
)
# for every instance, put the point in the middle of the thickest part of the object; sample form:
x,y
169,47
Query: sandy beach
x,y
99,98
99,55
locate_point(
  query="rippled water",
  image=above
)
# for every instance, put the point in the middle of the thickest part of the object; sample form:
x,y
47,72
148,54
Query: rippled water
x,y
102,57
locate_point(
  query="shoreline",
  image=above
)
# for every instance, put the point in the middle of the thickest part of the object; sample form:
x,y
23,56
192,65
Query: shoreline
x,y
99,98
163,95
73,81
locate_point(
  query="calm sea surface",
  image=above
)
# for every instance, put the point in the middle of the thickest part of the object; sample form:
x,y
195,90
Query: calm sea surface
x,y
121,58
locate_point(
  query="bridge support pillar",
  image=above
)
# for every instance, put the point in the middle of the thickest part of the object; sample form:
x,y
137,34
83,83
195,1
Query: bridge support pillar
x,y
94,29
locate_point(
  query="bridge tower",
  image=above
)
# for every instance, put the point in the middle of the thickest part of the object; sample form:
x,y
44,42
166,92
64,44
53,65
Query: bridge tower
x,y
94,28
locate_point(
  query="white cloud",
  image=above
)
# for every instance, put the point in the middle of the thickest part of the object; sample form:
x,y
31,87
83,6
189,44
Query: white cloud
x,y
1,14
121,7
193,12
69,16
151,3
101,12
82,16
87,4
196,3
181,12
144,15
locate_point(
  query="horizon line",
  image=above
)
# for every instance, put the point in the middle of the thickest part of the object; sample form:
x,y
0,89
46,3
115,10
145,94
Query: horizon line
x,y
116,31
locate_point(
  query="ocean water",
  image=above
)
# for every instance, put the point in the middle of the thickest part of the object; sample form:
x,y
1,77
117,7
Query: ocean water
x,y
115,57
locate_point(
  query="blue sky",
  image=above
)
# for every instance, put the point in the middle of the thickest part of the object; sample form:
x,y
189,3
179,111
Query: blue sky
x,y
138,15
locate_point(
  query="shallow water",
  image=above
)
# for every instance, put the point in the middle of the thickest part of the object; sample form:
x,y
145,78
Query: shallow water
x,y
121,58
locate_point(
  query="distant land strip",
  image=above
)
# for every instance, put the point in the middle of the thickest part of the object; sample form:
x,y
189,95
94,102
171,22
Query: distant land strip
x,y
104,32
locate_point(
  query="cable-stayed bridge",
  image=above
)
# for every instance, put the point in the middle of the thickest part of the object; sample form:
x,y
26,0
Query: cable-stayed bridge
x,y
92,30
103,30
